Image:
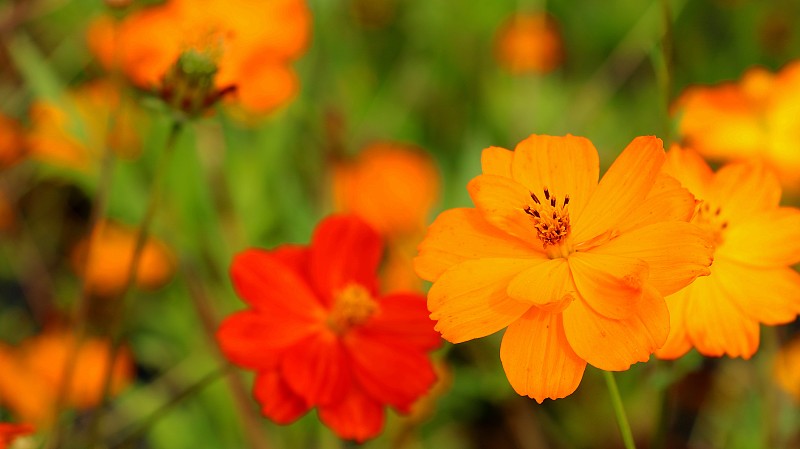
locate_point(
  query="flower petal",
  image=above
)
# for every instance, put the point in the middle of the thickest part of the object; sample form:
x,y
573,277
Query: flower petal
x,y
614,345
278,402
458,235
316,369
537,358
690,170
344,250
470,300
744,189
768,295
667,201
766,239
566,165
678,342
496,161
356,417
676,253
501,202
610,284
623,188
545,283
403,317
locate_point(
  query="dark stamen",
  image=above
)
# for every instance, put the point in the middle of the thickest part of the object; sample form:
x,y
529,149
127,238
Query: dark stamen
x,y
553,201
536,214
535,200
546,193
566,200
716,212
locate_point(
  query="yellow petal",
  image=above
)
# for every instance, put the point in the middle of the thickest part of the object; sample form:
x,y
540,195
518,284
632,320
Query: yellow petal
x,y
469,300
667,201
501,202
462,234
545,283
622,189
496,161
678,342
565,165
744,189
676,253
768,295
611,285
766,239
614,345
689,169
537,358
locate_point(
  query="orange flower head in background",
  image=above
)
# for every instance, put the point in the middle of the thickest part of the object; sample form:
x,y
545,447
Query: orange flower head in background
x,y
529,43
758,117
34,372
251,44
74,132
107,266
12,141
755,241
393,187
10,432
576,270
787,368
318,334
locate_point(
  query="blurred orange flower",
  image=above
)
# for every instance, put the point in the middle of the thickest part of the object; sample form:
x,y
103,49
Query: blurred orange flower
x,y
318,334
755,241
10,432
574,269
74,133
787,368
12,141
529,43
107,266
758,117
252,42
33,374
392,187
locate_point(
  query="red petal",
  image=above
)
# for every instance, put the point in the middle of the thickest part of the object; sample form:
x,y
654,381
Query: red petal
x,y
357,417
296,257
278,402
403,317
316,369
344,250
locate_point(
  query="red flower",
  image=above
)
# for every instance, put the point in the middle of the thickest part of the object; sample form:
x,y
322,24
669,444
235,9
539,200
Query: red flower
x,y
318,335
9,432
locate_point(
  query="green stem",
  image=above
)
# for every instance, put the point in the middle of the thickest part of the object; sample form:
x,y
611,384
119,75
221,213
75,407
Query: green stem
x,y
666,56
619,411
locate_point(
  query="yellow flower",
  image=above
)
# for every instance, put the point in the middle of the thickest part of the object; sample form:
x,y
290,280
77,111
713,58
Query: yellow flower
x,y
576,270
750,282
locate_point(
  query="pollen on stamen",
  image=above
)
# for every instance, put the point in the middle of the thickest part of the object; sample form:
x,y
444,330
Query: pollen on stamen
x,y
550,219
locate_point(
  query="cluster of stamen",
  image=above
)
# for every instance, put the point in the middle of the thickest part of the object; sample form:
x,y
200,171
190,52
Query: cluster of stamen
x,y
353,305
711,219
550,219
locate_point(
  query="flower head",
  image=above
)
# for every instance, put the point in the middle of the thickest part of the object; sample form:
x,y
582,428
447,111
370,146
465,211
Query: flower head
x,y
574,269
787,368
318,334
10,432
755,241
529,43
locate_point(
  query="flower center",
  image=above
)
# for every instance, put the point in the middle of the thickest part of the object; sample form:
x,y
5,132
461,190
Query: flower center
x,y
710,218
550,218
353,305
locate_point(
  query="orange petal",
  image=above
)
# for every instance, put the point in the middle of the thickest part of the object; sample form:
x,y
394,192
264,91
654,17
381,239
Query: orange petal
x,y
678,342
744,189
614,345
356,417
667,201
317,369
278,402
501,202
689,169
715,324
610,284
266,85
565,165
470,300
537,358
676,253
623,188
766,239
545,283
496,161
458,235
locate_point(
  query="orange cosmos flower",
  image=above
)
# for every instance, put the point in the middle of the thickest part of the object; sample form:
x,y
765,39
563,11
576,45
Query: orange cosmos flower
x,y
107,266
10,432
33,374
251,43
12,142
787,368
750,282
529,43
574,269
755,118
318,334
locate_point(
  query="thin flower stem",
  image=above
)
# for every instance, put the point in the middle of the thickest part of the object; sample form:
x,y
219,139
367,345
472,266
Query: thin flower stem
x,y
666,56
619,411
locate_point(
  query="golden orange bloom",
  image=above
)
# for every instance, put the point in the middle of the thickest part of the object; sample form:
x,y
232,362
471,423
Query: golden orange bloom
x,y
787,368
33,374
574,269
74,133
251,42
529,43
754,118
755,241
106,269
10,432
12,142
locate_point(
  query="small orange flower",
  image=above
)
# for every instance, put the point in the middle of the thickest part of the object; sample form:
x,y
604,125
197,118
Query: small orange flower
x,y
755,241
318,334
529,43
107,267
251,42
574,269
10,432
787,368
754,118
12,142
33,374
